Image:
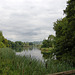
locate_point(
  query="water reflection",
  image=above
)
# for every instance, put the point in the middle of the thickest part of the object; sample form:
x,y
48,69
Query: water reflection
x,y
19,49
32,52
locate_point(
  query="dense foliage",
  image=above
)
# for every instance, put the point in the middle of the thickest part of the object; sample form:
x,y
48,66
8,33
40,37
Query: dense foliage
x,y
49,42
3,41
18,45
65,34
64,41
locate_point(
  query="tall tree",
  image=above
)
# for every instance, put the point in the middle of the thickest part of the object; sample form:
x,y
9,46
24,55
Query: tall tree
x,y
70,14
49,42
65,34
60,26
1,40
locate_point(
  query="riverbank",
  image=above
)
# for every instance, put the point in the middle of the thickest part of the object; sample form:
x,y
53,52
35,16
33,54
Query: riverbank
x,y
12,64
46,50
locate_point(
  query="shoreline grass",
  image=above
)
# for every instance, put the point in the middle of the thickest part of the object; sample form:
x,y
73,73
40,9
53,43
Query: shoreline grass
x,y
46,50
11,64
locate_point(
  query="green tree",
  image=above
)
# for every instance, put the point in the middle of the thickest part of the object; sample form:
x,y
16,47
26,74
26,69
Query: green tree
x,y
49,42
2,45
60,26
5,41
30,43
1,40
70,14
45,44
1,36
65,34
51,37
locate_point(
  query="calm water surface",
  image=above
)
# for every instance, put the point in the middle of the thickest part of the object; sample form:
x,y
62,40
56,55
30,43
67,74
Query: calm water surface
x,y
33,53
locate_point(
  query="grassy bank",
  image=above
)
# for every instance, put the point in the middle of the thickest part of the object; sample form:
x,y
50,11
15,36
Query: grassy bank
x,y
46,50
11,64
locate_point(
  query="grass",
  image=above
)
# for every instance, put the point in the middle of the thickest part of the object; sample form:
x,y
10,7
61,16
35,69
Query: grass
x,y
46,50
11,64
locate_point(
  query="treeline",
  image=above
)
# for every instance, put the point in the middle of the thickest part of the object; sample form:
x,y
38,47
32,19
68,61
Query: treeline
x,y
7,43
3,41
18,44
64,41
48,42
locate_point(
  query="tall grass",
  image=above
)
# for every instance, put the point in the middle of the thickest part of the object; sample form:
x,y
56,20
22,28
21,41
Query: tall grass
x,y
11,64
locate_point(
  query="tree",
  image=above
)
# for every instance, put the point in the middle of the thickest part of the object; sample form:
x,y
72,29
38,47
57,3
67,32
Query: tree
x,y
30,43
65,34
70,11
1,36
5,41
1,40
49,42
45,44
51,37
2,45
70,15
60,26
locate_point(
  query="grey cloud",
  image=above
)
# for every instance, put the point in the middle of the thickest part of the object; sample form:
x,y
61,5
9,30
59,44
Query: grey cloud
x,y
29,20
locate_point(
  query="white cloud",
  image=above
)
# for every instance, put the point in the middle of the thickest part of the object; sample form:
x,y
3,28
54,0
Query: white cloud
x,y
29,20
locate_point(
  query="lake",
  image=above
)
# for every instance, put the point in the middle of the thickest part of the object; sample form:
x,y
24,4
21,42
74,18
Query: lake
x,y
33,52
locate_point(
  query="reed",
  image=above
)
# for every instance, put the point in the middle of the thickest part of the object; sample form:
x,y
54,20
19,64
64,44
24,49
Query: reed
x,y
11,64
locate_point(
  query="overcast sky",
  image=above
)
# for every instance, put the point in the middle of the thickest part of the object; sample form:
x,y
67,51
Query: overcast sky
x,y
29,20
